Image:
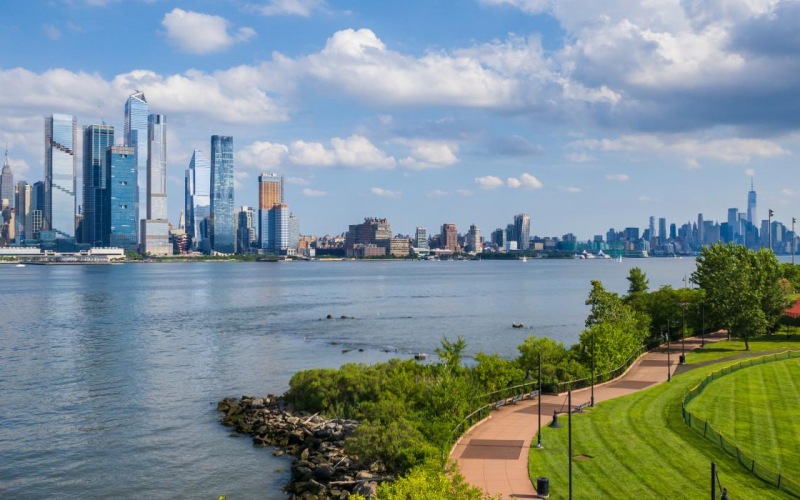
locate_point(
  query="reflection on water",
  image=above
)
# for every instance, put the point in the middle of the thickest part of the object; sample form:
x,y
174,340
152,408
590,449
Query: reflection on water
x,y
109,373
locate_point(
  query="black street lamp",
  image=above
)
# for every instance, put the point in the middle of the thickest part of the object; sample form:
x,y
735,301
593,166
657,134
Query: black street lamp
x,y
569,425
539,438
683,334
669,361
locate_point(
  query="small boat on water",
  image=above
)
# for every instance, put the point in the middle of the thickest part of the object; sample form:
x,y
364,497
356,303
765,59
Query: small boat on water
x,y
524,259
20,265
420,356
517,325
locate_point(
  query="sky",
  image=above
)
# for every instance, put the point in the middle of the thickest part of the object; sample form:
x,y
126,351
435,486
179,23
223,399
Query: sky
x,y
586,115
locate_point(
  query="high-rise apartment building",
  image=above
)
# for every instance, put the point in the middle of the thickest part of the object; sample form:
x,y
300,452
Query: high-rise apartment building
x,y
474,243
449,237
154,232
6,185
374,232
662,230
245,229
136,112
223,237
270,193
96,141
279,228
60,166
294,232
23,210
198,201
121,193
37,209
421,238
522,231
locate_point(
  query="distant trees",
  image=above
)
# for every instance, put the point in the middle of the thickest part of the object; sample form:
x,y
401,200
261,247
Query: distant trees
x,y
745,290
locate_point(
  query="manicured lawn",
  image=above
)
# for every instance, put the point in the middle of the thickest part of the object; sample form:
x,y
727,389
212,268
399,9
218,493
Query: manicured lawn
x,y
757,408
641,448
725,348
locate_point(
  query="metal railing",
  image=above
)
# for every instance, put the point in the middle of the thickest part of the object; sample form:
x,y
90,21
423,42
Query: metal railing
x,y
781,481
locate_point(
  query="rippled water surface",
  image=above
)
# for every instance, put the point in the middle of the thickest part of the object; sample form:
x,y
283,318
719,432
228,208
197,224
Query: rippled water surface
x,y
109,374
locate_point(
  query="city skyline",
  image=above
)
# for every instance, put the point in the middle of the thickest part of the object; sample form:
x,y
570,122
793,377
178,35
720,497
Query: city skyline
x,y
512,107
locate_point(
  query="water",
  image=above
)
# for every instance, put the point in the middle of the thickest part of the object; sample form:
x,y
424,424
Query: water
x,y
109,374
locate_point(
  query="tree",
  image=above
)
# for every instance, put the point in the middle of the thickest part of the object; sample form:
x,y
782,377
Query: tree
x,y
450,353
638,282
743,289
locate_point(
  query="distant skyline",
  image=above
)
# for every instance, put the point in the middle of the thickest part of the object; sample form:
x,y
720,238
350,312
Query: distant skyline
x,y
585,115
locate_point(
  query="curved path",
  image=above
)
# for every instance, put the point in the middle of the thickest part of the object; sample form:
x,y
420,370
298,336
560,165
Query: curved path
x,y
493,454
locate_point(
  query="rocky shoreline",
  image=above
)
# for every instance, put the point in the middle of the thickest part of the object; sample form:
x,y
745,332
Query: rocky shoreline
x,y
322,469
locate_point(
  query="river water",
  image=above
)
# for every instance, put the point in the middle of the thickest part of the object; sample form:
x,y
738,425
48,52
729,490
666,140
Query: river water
x,y
109,375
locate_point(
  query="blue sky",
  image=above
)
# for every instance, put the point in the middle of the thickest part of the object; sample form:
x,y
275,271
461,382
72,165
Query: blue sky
x,y
584,114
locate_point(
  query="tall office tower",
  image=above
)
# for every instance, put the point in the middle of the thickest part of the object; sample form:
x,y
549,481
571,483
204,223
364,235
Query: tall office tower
x,y
270,192
120,198
733,224
279,228
474,239
22,206
136,111
60,166
499,237
662,230
294,231
421,237
652,228
222,217
154,231
37,209
522,231
245,229
701,232
752,217
7,184
96,141
449,237
198,201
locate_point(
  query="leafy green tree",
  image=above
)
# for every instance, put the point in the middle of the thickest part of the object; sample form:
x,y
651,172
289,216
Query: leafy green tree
x,y
493,373
430,481
743,289
450,353
637,281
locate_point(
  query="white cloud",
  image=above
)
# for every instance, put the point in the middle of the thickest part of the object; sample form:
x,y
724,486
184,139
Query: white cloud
x,y
302,8
749,172
297,181
354,151
313,193
427,154
644,198
385,193
571,189
525,180
787,192
579,157
261,155
437,193
728,150
198,33
617,177
489,182
51,32
465,192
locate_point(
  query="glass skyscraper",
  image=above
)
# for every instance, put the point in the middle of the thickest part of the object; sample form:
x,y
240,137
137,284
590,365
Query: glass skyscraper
x,y
120,192
6,184
752,216
96,141
279,228
223,237
60,165
136,112
522,231
270,192
198,201
154,231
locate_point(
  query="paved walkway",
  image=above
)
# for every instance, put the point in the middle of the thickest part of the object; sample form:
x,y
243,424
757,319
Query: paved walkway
x,y
493,454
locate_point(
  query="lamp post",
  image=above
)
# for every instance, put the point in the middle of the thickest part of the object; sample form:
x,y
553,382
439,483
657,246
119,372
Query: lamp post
x,y
770,213
539,437
794,237
569,425
683,334
669,361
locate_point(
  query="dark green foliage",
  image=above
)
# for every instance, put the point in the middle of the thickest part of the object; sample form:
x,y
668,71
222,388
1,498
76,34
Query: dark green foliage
x,y
638,282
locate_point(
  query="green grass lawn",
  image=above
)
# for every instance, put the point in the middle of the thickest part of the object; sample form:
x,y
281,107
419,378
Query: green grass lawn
x,y
725,348
641,448
757,408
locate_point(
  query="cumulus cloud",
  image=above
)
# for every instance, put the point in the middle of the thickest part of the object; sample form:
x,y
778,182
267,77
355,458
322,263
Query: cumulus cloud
x,y
525,180
51,32
513,183
262,155
385,193
617,177
313,193
571,189
302,8
198,33
437,193
354,151
465,192
489,182
425,154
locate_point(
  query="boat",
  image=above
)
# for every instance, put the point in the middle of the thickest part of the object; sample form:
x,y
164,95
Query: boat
x,y
517,325
20,265
524,259
420,356
619,259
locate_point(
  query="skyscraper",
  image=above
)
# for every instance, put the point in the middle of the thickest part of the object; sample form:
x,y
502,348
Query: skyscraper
x,y
270,193
22,206
96,141
37,209
752,217
154,233
136,111
662,230
121,191
60,165
522,231
245,229
449,237
222,217
421,238
279,228
198,201
6,184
